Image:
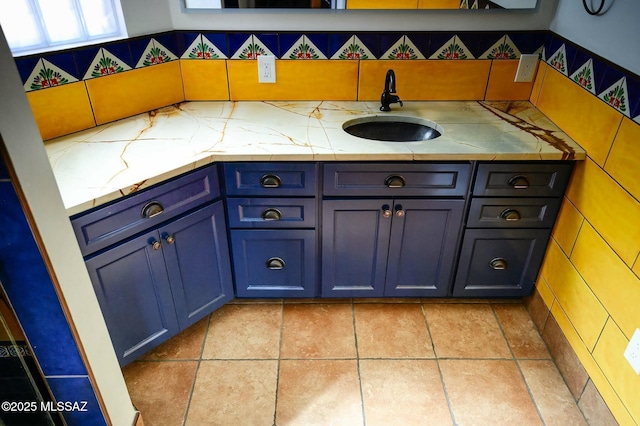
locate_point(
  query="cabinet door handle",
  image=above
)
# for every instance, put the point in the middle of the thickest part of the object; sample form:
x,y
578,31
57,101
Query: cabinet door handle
x,y
395,181
270,181
170,239
156,245
519,182
386,210
272,214
152,209
498,264
275,263
510,215
399,210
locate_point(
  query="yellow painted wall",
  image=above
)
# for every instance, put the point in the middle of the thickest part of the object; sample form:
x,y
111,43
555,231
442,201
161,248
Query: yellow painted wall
x,y
590,279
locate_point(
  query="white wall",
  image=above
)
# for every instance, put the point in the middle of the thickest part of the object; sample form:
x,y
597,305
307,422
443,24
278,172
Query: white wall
x,y
140,21
614,35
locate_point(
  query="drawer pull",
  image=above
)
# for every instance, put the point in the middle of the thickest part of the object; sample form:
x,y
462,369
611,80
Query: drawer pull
x,y
270,181
152,209
519,182
395,181
275,263
498,264
156,245
510,215
386,210
271,214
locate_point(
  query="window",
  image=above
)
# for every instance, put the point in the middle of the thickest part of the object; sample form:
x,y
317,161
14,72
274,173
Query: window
x,y
33,26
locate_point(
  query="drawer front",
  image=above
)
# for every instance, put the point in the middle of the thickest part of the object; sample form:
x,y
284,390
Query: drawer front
x,y
271,212
270,179
513,212
135,213
522,180
448,179
500,262
274,263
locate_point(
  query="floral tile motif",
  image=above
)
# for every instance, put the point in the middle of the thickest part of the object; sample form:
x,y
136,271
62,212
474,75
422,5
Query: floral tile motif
x,y
155,54
453,49
46,75
403,49
202,48
504,48
559,60
354,48
302,49
105,63
251,49
617,96
584,76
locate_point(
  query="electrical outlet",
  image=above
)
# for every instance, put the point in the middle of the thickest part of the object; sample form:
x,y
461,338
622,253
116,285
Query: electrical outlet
x,y
266,69
632,354
526,68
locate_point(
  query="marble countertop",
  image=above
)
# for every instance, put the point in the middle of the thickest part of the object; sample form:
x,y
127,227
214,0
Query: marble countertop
x,y
104,163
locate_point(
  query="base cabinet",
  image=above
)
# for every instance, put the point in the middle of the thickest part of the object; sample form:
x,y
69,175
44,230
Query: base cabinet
x,y
157,284
394,247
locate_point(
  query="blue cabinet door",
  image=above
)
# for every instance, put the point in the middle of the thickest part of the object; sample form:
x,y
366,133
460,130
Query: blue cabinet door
x,y
197,257
422,246
355,244
132,288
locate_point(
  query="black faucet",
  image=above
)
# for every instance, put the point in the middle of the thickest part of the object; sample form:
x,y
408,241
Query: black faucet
x,y
389,94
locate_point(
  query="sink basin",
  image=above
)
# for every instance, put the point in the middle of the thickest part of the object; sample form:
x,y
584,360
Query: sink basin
x,y
393,128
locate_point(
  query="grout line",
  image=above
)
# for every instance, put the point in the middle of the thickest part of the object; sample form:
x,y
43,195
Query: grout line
x,y
355,336
195,376
275,406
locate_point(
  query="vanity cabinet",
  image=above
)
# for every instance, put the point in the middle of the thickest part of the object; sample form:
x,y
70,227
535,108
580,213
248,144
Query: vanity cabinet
x,y
165,262
272,214
512,212
400,239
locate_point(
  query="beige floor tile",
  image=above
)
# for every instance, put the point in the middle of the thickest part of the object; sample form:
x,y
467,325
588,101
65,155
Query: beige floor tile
x,y
488,392
307,300
551,394
185,345
403,392
390,300
466,331
318,331
522,335
234,393
244,332
392,331
160,390
319,392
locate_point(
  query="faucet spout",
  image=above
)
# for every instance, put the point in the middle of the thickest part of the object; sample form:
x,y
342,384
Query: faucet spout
x,y
389,95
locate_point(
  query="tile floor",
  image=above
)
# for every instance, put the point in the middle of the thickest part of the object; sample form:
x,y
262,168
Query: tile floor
x,y
355,362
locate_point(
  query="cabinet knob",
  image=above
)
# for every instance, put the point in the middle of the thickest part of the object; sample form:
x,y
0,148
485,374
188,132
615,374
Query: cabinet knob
x,y
170,239
152,209
386,210
270,181
399,210
498,264
272,214
510,215
395,181
156,245
275,263
519,182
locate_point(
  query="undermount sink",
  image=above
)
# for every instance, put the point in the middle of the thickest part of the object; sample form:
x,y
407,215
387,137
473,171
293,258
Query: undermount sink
x,y
393,128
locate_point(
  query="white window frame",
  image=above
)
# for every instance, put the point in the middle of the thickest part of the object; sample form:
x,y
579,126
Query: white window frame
x,y
47,45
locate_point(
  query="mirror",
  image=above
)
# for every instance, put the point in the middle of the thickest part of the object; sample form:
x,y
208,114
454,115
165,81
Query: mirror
x,y
361,4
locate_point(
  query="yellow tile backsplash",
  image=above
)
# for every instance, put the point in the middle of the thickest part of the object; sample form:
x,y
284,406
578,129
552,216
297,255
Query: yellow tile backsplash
x,y
567,226
72,111
382,4
438,4
204,80
125,94
501,86
623,163
537,82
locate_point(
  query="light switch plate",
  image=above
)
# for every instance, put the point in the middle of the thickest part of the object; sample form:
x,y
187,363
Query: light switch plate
x,y
632,354
266,69
526,68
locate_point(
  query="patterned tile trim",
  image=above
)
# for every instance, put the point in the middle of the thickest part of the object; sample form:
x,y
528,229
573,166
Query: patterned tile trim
x,y
453,49
302,49
354,48
502,49
558,60
203,48
105,63
155,54
46,75
617,96
251,49
403,49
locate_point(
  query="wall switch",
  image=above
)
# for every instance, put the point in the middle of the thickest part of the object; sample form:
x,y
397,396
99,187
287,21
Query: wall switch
x,y
526,68
632,354
266,69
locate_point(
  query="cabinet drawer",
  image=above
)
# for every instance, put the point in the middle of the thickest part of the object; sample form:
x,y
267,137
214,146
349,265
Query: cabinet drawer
x,y
135,213
500,262
270,179
444,179
513,212
274,263
272,212
522,180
